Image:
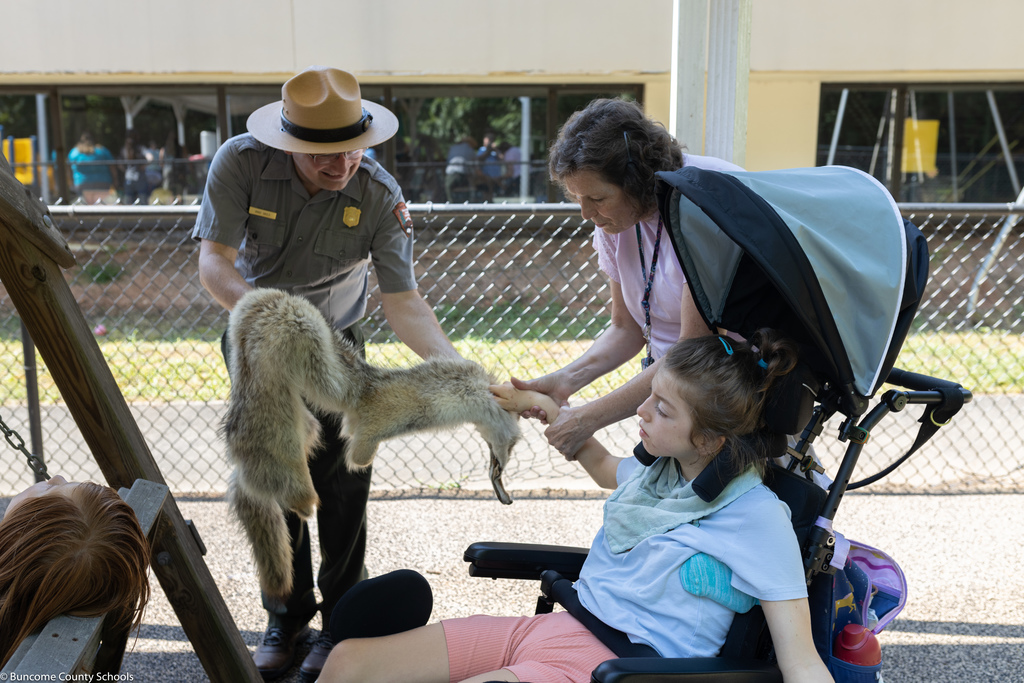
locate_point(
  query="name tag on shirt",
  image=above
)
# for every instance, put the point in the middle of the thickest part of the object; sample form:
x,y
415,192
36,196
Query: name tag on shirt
x,y
263,213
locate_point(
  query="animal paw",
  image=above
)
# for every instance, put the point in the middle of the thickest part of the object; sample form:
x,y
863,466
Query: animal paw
x,y
359,453
496,469
304,504
306,511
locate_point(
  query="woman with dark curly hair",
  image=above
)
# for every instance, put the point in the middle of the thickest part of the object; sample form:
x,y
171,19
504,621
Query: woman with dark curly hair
x,y
605,158
69,548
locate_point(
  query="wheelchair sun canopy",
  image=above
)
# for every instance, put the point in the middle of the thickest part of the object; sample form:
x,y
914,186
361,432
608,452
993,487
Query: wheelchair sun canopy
x,y
821,254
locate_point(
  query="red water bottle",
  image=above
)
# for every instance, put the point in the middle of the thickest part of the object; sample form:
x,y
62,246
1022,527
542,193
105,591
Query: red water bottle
x,y
857,645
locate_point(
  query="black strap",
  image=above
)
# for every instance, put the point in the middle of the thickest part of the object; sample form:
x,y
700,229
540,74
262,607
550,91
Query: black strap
x,y
561,590
935,416
327,135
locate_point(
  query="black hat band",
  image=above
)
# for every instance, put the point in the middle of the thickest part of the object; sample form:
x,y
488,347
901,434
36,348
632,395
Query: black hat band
x,y
342,134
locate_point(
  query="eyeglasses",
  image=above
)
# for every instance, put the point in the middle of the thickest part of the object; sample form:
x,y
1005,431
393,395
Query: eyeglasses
x,y
324,159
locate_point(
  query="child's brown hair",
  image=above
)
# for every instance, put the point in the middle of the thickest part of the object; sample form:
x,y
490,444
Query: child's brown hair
x,y
82,553
725,382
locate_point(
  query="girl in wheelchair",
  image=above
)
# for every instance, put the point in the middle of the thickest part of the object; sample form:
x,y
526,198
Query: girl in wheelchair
x,y
667,568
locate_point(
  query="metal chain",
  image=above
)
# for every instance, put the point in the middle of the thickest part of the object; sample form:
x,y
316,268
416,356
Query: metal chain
x,y
18,444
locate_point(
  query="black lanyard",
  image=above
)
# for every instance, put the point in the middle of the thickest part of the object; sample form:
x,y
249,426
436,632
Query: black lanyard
x,y
645,303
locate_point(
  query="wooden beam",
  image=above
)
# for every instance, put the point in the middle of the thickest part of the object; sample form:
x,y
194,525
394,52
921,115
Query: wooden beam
x,y
146,499
30,256
65,645
29,219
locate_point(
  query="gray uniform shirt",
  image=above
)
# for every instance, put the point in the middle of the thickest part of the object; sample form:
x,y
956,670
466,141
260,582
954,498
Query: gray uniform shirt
x,y
316,247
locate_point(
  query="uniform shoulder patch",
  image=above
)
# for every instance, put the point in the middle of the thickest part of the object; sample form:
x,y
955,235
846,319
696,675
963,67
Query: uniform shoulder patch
x,y
401,212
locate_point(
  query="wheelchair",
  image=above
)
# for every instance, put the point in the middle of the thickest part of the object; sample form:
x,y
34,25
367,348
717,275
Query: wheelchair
x,y
823,255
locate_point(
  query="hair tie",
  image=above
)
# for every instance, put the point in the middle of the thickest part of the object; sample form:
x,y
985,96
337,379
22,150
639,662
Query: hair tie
x,y
760,361
728,348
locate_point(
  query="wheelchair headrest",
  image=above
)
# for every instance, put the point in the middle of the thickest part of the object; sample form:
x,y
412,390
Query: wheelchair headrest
x,y
790,400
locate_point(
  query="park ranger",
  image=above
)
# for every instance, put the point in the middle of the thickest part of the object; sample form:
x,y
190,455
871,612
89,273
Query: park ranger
x,y
294,204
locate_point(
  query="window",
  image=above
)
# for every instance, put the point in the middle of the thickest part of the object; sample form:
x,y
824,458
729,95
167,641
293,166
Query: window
x,y
185,121
956,143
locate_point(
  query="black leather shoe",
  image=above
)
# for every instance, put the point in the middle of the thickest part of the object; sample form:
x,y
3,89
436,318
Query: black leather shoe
x,y
276,653
314,661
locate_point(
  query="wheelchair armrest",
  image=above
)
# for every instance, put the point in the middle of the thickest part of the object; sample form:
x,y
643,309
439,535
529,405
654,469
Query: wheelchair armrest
x,y
665,670
523,560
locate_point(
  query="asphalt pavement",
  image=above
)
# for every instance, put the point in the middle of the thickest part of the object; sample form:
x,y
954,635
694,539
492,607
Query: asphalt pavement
x,y
961,553
961,550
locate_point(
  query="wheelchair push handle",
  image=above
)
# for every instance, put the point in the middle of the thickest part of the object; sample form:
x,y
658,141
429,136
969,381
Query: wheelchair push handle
x,y
918,382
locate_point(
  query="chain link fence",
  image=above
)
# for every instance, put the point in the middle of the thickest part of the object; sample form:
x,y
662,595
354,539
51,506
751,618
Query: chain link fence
x,y
517,288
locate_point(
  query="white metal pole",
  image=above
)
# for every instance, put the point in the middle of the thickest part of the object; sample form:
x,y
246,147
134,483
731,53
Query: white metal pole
x,y
954,167
524,150
688,72
918,159
838,127
44,149
881,130
1008,224
1002,140
728,79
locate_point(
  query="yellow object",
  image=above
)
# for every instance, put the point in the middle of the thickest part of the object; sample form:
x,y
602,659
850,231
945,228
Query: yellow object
x,y
920,144
262,213
161,196
351,216
23,154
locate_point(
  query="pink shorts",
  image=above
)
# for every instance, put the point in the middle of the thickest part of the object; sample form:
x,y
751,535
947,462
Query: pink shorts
x,y
546,648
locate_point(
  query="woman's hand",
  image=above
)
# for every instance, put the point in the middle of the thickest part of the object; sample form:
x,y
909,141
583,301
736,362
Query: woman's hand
x,y
569,431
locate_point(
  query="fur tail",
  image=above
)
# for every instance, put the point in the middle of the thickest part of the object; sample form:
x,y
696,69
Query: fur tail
x,y
282,356
263,521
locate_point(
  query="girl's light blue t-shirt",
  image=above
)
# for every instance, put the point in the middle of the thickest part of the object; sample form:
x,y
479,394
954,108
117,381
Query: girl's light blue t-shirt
x,y
640,592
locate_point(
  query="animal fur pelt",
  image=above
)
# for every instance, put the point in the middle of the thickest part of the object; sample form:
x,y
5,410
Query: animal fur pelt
x,y
286,359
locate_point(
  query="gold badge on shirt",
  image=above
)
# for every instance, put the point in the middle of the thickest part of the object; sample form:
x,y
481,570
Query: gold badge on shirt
x,y
351,216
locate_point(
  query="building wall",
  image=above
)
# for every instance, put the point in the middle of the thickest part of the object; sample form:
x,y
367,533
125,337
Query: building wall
x,y
885,38
233,40
796,45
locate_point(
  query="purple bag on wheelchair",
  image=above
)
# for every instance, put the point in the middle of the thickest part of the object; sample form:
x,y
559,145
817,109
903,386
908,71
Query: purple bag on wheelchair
x,y
870,590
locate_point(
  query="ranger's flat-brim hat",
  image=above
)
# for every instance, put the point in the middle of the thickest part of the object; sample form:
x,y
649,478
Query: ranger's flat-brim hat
x,y
322,112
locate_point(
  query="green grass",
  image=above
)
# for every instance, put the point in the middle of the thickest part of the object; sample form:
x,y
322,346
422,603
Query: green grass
x,y
102,274
984,362
192,369
510,320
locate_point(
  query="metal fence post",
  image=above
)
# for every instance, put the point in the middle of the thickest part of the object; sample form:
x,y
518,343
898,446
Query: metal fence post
x,y
32,397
